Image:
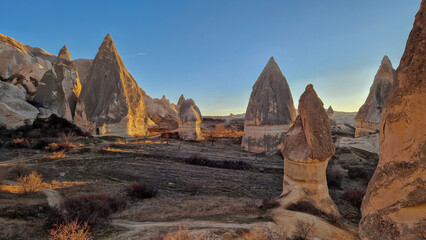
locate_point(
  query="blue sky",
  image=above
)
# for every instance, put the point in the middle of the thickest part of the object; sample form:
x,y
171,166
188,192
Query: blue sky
x,y
213,51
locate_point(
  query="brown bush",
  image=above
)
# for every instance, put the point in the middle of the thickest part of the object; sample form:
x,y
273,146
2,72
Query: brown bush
x,y
142,190
335,175
70,231
18,143
264,234
197,159
31,183
182,234
269,203
303,230
354,196
93,208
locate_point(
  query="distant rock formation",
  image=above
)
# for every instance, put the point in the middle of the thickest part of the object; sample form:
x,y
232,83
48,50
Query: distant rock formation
x,y
368,118
270,111
163,113
111,99
307,148
189,120
60,87
330,113
14,110
23,65
394,206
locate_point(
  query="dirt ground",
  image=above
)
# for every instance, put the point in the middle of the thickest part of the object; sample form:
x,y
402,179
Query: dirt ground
x,y
223,193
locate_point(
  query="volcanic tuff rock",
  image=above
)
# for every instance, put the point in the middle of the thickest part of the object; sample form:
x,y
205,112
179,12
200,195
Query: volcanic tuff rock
x,y
270,111
163,113
189,120
14,110
111,98
22,65
60,87
83,66
368,118
307,148
394,206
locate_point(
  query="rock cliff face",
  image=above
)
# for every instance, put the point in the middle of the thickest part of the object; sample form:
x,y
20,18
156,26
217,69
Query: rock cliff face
x,y
394,206
60,87
307,148
189,120
22,65
163,113
368,118
270,111
15,112
83,66
111,99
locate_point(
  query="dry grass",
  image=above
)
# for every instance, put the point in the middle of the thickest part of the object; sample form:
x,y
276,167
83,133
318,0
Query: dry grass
x,y
221,132
264,234
70,231
183,234
31,183
54,184
57,155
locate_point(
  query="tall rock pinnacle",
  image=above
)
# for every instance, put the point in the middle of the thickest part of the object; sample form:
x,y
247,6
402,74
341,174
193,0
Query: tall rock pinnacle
x,y
394,206
270,111
111,98
368,117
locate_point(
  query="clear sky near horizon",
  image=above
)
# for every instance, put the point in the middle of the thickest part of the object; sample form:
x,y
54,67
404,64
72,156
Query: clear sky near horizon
x,y
214,51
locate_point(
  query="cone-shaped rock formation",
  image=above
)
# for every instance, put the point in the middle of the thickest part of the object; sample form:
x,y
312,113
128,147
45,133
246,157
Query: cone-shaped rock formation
x,y
367,119
307,148
394,206
270,111
111,98
60,87
189,120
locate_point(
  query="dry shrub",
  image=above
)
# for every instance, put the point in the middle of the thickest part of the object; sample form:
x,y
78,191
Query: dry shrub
x,y
93,208
197,159
264,234
303,230
71,231
335,175
19,143
182,234
57,155
269,203
142,190
60,146
354,196
31,183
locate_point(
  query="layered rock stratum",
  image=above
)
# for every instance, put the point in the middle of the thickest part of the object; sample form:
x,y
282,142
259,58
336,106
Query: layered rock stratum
x,y
189,120
308,146
394,206
270,111
111,99
367,119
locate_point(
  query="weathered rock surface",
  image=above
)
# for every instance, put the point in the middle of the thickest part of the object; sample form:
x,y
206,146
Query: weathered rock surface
x,y
163,113
22,65
60,87
111,98
308,146
367,119
189,120
270,111
14,110
83,66
394,206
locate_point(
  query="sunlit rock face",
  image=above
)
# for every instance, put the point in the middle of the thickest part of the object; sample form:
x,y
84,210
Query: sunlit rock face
x,y
14,110
367,119
111,102
270,111
394,206
189,120
60,87
23,65
162,112
307,148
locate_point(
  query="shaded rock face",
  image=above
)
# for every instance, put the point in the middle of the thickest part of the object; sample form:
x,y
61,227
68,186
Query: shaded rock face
x,y
270,111
163,113
111,98
308,146
15,112
83,66
368,118
60,87
23,65
394,206
189,120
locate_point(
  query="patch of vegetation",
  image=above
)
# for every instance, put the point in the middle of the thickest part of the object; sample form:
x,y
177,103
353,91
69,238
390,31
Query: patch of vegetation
x,y
264,234
354,196
197,159
71,230
303,230
31,183
335,175
269,203
142,190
